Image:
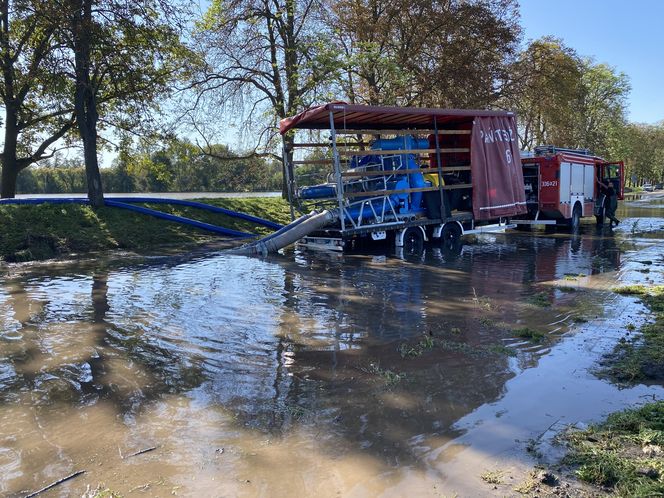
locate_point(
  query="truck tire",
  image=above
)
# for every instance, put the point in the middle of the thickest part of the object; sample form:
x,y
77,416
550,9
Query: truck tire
x,y
413,241
575,222
450,235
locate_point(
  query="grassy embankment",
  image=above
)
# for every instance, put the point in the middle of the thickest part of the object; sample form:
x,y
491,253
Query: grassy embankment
x,y
625,454
640,358
36,232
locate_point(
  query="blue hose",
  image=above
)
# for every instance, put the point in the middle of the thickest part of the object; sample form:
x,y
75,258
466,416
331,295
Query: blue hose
x,y
63,200
199,205
142,200
138,209
177,219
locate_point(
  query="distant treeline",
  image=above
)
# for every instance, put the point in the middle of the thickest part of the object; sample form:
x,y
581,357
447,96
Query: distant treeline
x,y
155,68
177,167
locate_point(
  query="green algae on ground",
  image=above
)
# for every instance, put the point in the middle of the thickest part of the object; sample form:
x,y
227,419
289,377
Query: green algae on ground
x,y
624,453
36,232
641,357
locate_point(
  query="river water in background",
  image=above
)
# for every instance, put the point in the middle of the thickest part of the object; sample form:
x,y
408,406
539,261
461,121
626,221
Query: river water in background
x,y
313,374
160,195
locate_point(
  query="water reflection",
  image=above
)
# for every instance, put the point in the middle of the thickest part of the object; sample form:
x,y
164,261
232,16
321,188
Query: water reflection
x,y
195,353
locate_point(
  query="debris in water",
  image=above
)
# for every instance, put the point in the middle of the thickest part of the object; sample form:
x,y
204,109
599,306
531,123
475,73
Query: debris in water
x,y
56,483
140,452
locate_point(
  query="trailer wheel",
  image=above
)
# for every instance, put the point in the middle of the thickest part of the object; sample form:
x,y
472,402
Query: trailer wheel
x,y
413,241
450,235
576,218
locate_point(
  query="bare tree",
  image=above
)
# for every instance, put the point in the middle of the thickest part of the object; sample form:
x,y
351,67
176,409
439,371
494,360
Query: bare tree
x,y
264,61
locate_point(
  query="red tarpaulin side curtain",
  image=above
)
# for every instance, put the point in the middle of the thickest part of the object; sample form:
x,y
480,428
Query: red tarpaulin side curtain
x,y
495,165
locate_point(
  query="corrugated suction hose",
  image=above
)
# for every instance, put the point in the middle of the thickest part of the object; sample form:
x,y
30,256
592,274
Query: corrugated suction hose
x,y
289,234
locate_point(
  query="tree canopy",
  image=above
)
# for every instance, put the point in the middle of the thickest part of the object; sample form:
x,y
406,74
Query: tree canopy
x,y
69,64
230,73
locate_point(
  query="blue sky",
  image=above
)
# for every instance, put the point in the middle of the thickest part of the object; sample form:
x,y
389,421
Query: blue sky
x,y
627,34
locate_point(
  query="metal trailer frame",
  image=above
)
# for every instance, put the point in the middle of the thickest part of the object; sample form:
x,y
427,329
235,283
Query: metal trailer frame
x,y
386,218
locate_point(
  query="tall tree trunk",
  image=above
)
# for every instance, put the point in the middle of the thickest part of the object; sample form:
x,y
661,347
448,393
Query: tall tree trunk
x,y
9,155
84,101
10,166
9,177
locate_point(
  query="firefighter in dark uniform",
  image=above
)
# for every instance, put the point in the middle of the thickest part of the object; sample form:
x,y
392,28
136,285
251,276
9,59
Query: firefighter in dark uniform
x,y
611,202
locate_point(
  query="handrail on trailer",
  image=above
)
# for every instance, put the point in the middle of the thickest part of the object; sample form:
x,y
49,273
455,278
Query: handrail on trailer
x,y
415,131
301,145
338,155
341,194
400,171
341,151
401,152
406,190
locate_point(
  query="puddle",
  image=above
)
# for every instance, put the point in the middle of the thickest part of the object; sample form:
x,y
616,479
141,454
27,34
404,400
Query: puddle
x,y
311,374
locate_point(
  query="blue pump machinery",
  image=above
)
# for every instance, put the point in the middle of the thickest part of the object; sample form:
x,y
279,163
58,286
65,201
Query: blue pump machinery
x,y
408,204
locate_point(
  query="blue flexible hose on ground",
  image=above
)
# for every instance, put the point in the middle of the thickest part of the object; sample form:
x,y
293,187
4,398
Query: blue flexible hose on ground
x,y
198,205
151,212
63,200
145,200
177,219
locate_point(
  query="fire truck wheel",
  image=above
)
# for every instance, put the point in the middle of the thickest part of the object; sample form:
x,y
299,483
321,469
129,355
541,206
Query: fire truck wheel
x,y
413,241
576,218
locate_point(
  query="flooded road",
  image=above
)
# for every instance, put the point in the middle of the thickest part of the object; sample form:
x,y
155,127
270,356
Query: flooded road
x,y
311,374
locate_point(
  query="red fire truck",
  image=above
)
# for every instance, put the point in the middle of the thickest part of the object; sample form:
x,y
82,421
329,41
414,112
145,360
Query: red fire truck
x,y
562,186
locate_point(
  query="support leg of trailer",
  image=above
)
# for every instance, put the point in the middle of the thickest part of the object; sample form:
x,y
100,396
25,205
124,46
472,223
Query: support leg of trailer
x,y
337,171
444,202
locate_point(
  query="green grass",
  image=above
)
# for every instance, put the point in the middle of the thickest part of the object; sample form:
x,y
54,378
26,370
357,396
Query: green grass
x,y
411,351
631,290
35,232
540,299
476,350
640,359
530,334
624,453
390,377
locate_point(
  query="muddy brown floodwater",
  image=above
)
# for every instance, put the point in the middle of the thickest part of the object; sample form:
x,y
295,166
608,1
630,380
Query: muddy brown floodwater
x,y
308,374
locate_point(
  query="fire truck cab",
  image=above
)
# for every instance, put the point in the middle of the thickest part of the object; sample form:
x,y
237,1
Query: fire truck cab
x,y
563,186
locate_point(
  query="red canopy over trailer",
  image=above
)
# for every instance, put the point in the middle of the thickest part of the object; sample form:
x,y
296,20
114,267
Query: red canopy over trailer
x,y
495,164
